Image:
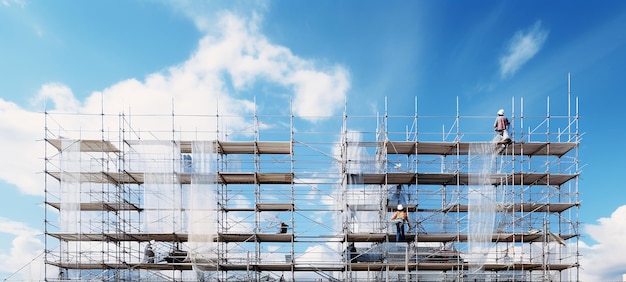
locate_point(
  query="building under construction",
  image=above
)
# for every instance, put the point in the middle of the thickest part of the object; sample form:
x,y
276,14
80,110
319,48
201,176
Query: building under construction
x,y
192,197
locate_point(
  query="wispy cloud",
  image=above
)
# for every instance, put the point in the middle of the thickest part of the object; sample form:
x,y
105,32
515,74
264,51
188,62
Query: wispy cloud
x,y
8,3
523,46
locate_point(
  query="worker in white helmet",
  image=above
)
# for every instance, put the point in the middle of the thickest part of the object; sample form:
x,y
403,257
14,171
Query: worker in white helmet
x,y
501,126
400,217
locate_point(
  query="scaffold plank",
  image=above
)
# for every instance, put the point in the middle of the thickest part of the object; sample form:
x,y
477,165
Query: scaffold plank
x,y
274,207
87,145
101,206
512,207
462,148
449,237
408,178
243,147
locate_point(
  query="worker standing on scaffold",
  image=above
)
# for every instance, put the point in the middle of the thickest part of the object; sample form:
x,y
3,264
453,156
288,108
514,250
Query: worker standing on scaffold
x,y
501,126
400,218
283,227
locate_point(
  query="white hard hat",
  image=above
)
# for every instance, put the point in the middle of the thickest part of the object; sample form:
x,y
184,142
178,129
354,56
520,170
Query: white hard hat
x,y
501,112
400,207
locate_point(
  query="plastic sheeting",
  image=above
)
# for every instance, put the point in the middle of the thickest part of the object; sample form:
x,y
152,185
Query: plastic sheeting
x,y
481,204
69,217
162,194
364,201
202,206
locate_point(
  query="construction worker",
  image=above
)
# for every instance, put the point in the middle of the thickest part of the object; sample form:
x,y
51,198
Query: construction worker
x,y
400,217
283,227
148,254
501,126
352,253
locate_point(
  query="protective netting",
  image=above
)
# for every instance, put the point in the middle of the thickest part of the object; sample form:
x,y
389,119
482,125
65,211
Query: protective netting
x,y
481,204
162,194
364,201
202,207
69,217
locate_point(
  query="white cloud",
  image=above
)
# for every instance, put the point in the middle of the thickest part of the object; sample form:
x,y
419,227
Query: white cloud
x,y
21,153
319,94
327,253
248,58
60,95
522,47
16,228
604,260
24,260
204,14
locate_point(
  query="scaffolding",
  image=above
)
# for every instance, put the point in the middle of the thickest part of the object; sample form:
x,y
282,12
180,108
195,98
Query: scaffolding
x,y
212,197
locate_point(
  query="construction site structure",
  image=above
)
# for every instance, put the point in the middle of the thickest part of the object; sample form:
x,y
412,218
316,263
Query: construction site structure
x,y
213,197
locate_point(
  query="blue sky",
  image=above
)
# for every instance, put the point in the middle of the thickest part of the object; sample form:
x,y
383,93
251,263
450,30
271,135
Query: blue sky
x,y
482,53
